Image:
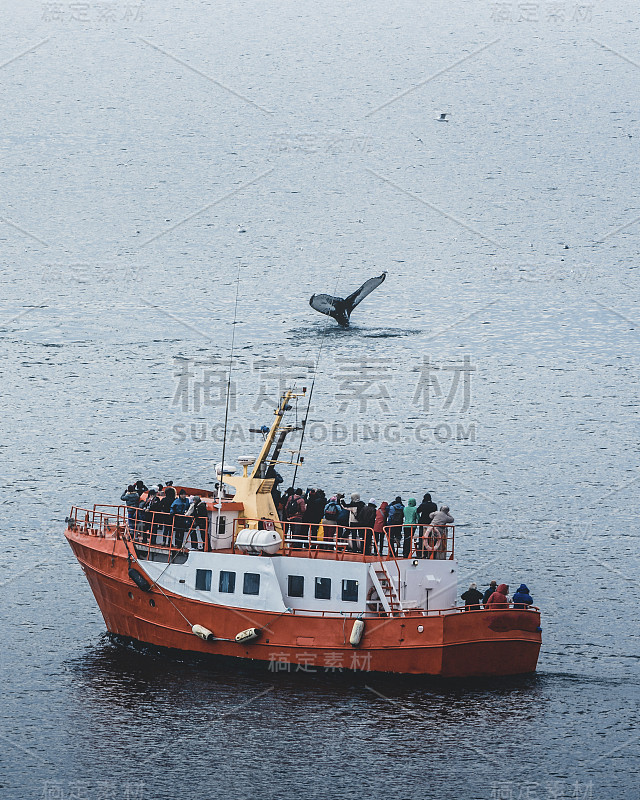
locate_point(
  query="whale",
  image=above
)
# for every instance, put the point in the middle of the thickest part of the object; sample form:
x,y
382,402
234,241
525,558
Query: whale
x,y
340,308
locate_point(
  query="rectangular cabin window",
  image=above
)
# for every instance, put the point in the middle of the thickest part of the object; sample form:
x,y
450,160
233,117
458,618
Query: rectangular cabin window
x,y
350,591
203,580
221,523
227,582
251,583
323,588
296,586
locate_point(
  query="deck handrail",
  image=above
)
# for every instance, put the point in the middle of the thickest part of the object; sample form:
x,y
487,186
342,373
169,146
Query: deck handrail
x,y
137,523
303,537
140,526
437,540
414,613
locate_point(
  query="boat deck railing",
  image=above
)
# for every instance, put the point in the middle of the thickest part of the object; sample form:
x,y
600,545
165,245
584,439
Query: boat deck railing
x,y
413,613
146,529
320,539
175,532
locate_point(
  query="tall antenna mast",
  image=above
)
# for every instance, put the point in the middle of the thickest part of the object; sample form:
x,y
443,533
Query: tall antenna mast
x,y
226,410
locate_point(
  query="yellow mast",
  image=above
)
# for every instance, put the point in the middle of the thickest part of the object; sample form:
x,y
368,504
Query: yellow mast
x,y
253,491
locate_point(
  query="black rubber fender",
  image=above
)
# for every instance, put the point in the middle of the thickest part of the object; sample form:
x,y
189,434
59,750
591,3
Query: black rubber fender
x,y
140,581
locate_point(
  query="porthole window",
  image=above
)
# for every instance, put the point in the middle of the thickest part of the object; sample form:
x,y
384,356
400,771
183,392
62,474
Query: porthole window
x,y
227,582
251,584
323,588
152,603
130,595
295,586
350,591
203,580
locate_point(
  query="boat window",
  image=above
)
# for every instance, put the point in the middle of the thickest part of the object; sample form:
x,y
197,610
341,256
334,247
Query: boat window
x,y
350,591
227,582
323,588
203,580
251,583
296,586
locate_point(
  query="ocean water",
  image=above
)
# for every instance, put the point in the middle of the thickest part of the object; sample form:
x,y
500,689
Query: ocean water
x,y
496,367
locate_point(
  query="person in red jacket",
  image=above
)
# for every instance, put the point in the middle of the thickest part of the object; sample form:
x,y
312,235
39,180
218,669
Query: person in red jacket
x,y
378,526
499,597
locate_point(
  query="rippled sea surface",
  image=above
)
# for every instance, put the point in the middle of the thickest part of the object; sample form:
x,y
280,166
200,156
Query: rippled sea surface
x,y
497,367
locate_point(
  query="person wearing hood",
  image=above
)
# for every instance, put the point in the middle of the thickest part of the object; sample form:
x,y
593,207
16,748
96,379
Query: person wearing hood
x,y
522,598
343,523
425,509
315,501
355,509
472,598
317,512
436,534
395,520
330,521
381,521
368,520
499,598
410,519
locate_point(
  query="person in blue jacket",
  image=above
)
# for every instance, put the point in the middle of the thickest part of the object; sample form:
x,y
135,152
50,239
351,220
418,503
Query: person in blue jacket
x,y
179,508
522,598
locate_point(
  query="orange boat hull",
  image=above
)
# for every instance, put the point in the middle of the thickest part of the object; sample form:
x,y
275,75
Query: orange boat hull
x,y
477,643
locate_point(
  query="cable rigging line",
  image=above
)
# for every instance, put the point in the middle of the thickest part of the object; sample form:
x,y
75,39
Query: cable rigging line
x,y
313,383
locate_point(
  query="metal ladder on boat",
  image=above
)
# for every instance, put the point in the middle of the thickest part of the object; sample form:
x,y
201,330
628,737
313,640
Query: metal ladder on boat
x,y
386,590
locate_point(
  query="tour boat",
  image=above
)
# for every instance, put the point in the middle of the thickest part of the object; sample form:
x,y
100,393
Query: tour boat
x,y
293,596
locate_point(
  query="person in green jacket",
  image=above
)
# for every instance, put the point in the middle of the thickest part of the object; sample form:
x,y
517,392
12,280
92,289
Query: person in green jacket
x,y
410,519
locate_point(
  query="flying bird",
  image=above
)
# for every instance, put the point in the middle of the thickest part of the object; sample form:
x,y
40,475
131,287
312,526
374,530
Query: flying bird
x,y
340,309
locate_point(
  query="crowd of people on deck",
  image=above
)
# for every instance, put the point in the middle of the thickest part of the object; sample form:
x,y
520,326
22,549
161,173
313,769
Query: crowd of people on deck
x,y
496,596
161,516
164,516
362,527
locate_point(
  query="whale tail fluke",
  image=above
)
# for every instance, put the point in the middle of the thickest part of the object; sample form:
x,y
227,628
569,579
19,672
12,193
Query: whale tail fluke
x,y
340,309
331,306
364,291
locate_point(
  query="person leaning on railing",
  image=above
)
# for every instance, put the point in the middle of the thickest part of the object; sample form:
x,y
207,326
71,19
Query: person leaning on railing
x,y
165,519
499,598
410,519
198,528
521,597
294,510
425,509
330,522
132,500
379,524
150,509
368,519
472,598
179,508
395,519
355,508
